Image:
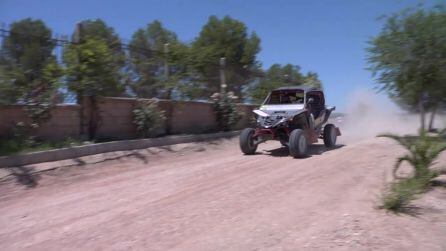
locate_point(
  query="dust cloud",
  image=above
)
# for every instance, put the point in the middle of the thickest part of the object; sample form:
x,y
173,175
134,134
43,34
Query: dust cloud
x,y
369,114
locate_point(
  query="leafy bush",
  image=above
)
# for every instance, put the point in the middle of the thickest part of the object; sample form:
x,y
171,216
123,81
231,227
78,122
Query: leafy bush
x,y
148,118
225,111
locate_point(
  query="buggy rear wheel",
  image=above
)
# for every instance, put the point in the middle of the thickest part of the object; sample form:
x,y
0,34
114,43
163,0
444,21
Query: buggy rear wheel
x,y
298,145
247,144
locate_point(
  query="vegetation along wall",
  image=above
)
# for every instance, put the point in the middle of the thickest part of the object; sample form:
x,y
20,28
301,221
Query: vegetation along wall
x,y
116,119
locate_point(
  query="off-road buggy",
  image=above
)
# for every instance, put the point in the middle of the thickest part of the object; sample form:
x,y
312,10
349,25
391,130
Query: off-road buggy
x,y
296,116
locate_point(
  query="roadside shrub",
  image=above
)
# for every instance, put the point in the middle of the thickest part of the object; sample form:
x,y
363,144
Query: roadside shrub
x,y
400,194
148,118
16,141
422,152
442,133
17,145
225,111
20,131
9,146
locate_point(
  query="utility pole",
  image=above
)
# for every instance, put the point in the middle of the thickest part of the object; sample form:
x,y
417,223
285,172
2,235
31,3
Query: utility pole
x,y
166,63
57,48
222,75
167,85
168,89
3,33
3,29
77,38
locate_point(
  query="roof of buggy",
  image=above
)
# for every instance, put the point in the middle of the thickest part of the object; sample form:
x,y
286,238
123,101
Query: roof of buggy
x,y
298,87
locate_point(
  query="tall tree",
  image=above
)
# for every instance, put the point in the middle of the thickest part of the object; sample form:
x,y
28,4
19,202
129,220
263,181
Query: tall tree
x,y
28,68
91,72
94,65
89,31
226,38
312,79
408,58
29,73
97,29
153,51
91,69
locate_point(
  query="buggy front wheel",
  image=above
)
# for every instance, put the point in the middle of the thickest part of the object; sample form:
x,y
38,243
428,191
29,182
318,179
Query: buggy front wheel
x,y
247,141
330,135
298,145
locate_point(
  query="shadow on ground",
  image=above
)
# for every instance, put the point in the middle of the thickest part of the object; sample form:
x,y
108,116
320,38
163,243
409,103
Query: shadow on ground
x,y
410,210
25,176
111,156
312,150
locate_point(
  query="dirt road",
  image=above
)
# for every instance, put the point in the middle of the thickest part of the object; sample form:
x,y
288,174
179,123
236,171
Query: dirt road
x,y
208,196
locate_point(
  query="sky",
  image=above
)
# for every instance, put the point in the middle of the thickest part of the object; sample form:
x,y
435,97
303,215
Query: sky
x,y
325,36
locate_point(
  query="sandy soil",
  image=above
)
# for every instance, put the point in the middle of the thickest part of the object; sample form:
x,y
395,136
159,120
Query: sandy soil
x,y
208,196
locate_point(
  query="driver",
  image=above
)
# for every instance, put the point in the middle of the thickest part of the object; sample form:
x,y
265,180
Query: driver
x,y
298,99
285,99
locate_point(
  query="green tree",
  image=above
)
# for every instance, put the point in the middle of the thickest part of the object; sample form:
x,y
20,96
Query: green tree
x,y
150,49
312,79
94,67
97,30
226,38
408,58
91,71
25,53
29,73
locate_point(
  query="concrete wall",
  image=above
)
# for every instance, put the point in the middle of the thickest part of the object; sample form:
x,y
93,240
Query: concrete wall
x,y
64,121
116,118
193,117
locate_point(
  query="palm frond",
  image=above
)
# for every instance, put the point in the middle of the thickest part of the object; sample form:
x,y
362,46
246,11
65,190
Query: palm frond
x,y
433,154
398,163
423,150
401,140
